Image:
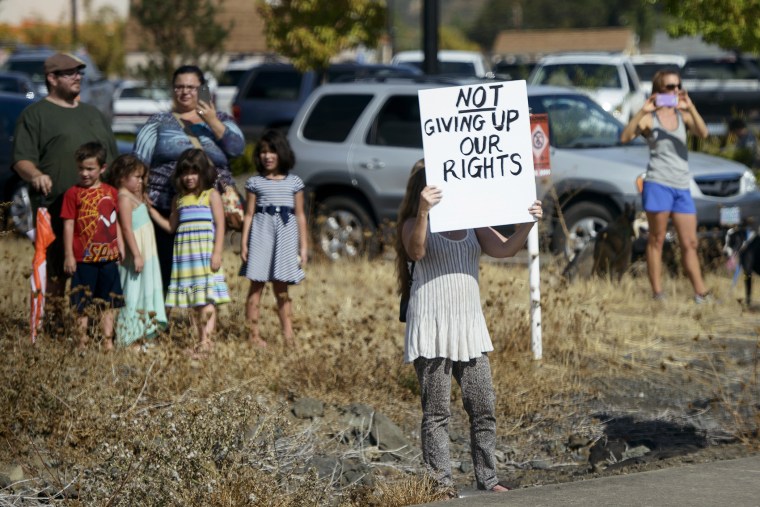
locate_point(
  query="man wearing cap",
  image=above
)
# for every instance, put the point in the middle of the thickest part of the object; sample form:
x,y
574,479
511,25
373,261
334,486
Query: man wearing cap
x,y
47,134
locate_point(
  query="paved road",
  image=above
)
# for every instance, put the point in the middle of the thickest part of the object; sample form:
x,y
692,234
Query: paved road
x,y
734,483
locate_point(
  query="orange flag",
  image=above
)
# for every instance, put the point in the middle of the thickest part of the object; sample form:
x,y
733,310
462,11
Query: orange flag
x,y
43,238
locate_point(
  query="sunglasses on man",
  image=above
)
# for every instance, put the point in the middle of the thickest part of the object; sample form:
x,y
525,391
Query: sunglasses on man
x,y
69,73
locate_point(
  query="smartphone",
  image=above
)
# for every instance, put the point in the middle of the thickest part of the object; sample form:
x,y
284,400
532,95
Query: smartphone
x,y
204,94
666,100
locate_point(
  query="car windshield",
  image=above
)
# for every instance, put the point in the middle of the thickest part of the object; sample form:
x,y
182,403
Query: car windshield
x,y
582,75
232,77
576,121
32,67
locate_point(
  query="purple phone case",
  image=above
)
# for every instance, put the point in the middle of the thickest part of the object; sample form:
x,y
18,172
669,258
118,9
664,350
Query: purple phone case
x,y
666,100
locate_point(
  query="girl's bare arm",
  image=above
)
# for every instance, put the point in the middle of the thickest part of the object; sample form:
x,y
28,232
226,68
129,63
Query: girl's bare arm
x,y
303,231
217,211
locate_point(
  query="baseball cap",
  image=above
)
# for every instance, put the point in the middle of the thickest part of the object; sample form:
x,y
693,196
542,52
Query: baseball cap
x,y
62,61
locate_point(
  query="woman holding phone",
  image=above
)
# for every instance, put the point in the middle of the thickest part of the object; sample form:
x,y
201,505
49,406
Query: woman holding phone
x,y
193,122
663,122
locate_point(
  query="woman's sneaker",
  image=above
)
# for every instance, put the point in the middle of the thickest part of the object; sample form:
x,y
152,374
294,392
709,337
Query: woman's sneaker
x,y
701,299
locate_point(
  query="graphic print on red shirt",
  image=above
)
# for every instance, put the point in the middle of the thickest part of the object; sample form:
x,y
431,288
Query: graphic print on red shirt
x,y
93,210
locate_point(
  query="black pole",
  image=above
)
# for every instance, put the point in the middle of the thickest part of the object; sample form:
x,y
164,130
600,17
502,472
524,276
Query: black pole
x,y
430,36
74,32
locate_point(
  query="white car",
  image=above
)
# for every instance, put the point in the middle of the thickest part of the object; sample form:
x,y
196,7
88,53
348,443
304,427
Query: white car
x,y
450,62
135,101
610,79
647,65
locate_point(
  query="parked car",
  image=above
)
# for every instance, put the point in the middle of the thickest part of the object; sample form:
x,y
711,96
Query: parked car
x,y
450,62
610,79
647,65
18,83
96,89
136,101
270,94
11,105
723,88
355,144
233,74
512,68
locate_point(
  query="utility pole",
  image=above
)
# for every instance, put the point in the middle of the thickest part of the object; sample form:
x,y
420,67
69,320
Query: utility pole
x,y
430,36
74,34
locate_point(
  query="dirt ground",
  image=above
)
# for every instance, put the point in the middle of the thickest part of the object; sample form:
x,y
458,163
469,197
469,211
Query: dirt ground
x,y
626,384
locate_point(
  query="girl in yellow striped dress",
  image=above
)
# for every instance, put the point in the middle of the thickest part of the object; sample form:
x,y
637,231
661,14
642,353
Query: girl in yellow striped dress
x,y
197,280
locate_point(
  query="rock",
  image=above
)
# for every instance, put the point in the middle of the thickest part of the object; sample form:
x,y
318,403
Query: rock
x,y
540,464
308,408
354,471
636,452
10,474
466,467
387,436
325,466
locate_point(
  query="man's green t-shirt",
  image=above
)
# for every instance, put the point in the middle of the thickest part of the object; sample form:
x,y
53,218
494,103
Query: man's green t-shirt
x,y
48,135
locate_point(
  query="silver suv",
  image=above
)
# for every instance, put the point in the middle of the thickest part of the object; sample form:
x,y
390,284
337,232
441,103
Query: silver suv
x,y
355,144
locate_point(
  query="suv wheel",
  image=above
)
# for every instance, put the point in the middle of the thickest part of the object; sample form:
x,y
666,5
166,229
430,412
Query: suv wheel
x,y
344,230
584,220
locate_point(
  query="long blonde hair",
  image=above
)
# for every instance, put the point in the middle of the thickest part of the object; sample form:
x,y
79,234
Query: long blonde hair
x,y
407,210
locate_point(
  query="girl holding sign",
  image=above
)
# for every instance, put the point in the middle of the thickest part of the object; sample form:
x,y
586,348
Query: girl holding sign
x,y
446,332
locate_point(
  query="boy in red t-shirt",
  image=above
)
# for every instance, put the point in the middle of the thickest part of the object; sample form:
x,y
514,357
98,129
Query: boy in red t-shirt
x,y
92,242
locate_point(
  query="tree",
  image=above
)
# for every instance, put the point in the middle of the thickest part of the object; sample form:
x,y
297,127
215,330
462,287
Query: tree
x,y
311,32
731,25
177,32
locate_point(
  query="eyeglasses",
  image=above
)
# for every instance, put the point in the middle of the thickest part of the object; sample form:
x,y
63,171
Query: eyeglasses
x,y
182,88
69,73
671,86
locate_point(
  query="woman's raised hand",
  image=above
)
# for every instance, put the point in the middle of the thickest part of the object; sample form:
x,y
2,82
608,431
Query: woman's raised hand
x,y
206,110
429,197
536,210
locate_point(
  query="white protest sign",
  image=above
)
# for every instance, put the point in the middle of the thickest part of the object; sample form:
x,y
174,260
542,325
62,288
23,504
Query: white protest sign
x,y
477,144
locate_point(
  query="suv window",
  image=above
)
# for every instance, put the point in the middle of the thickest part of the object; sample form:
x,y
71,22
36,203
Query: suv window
x,y
576,122
583,75
334,116
275,85
232,77
716,70
397,123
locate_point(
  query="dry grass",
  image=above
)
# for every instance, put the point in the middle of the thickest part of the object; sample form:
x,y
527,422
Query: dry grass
x,y
159,428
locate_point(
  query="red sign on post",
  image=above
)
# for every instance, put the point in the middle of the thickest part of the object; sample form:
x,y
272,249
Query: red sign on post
x,y
539,139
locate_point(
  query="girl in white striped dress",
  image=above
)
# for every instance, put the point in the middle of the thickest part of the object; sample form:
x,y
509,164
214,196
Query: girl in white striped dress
x,y
274,241
446,333
197,280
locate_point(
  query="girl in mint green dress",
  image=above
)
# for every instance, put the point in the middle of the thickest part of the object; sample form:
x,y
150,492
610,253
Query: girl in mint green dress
x,y
143,314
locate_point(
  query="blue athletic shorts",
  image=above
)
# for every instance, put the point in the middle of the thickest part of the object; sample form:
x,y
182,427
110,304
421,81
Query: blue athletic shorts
x,y
96,280
657,198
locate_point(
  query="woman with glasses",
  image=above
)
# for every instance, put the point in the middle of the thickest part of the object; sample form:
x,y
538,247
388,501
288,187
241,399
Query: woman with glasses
x,y
193,122
663,122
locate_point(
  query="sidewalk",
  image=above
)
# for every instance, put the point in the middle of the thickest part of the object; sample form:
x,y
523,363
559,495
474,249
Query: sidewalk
x,y
733,482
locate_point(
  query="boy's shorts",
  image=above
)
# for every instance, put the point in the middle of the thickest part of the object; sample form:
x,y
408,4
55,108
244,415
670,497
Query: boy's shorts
x,y
96,281
657,198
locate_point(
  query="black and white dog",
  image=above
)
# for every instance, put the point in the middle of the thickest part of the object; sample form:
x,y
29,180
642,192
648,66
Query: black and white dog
x,y
742,248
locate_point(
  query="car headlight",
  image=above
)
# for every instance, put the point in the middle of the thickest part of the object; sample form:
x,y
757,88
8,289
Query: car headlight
x,y
748,182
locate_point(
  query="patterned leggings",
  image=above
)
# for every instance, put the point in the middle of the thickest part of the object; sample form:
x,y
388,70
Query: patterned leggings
x,y
474,378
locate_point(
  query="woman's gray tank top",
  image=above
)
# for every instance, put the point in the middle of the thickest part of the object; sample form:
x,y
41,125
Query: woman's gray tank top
x,y
668,154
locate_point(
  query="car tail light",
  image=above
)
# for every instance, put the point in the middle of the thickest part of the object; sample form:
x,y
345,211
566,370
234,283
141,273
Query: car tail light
x,y
236,113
